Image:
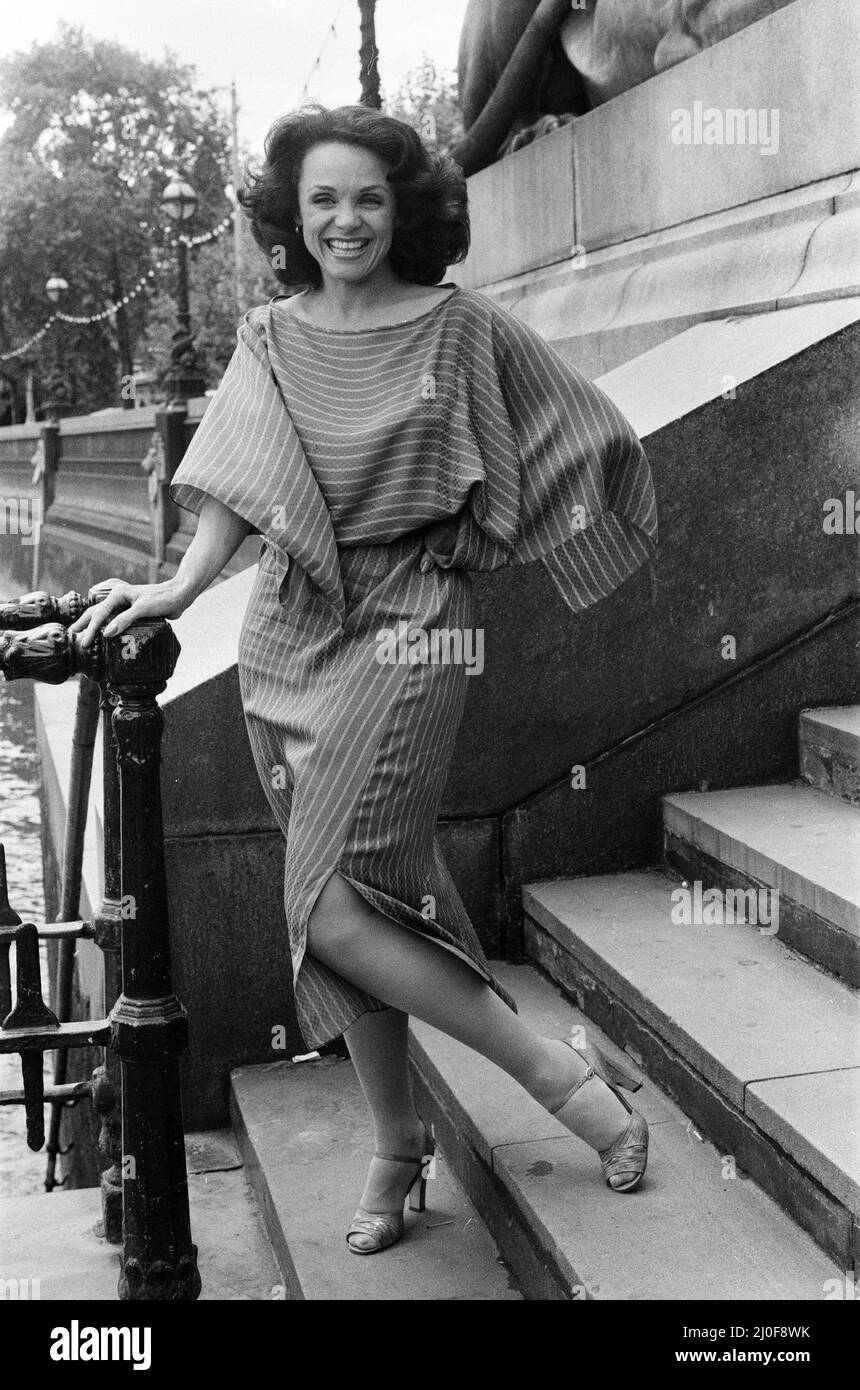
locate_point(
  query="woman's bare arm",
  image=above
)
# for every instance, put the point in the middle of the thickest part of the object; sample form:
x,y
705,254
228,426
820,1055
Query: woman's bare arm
x,y
219,534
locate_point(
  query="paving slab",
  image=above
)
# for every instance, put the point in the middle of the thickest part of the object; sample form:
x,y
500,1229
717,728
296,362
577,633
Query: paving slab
x,y
794,838
817,1119
692,1230
737,1004
52,1237
687,1233
305,1132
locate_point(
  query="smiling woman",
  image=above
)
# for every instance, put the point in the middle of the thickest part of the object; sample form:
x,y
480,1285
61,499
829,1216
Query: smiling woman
x,y
386,436
351,175
348,226
325,211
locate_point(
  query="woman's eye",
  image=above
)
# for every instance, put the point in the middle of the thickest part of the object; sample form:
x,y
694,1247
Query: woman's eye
x,y
372,198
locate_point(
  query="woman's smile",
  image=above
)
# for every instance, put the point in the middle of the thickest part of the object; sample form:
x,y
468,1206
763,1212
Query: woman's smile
x,y
346,247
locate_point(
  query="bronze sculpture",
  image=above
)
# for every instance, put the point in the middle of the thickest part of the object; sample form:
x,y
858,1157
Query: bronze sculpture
x,y
526,66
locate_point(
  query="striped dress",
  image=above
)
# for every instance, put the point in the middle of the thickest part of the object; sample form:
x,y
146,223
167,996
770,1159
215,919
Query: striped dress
x,y
460,435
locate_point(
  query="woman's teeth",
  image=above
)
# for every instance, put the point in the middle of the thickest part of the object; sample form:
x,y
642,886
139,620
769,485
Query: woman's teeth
x,y
346,249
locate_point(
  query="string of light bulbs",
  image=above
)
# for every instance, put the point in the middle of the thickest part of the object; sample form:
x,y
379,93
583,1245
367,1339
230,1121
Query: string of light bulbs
x,y
145,282
329,31
204,236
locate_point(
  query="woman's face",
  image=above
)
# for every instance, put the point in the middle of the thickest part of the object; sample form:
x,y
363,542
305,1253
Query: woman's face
x,y
347,210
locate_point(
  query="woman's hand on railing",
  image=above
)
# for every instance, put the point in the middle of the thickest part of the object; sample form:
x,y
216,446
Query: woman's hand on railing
x,y
125,604
219,534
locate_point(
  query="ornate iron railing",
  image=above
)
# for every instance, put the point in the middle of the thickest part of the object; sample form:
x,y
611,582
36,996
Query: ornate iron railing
x,y
136,1090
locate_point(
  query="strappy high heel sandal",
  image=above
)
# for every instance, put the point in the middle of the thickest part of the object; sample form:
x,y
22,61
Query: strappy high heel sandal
x,y
377,1230
626,1159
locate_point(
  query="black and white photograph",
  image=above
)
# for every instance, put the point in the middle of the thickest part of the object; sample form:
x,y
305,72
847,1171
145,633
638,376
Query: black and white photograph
x,y
430,652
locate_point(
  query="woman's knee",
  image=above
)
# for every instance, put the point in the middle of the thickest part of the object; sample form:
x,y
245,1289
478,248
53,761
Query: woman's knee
x,y
337,918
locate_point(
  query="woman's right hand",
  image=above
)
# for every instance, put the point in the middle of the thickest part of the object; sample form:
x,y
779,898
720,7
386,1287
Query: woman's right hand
x,y
124,604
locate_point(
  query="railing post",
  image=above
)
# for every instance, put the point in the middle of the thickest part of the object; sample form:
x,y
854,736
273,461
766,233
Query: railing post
x,y
107,1085
165,456
147,1028
148,1023
51,448
83,741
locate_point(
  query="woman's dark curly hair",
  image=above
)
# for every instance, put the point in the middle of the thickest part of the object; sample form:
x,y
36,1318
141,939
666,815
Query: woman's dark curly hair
x,y
431,205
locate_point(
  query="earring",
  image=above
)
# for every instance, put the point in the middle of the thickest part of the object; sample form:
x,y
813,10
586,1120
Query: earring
x,y
298,227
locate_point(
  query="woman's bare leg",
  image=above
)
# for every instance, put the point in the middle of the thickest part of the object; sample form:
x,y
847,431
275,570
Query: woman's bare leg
x,y
377,1043
417,976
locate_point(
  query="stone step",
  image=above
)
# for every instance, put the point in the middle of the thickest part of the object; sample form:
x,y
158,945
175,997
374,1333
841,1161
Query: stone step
x,y
759,1048
53,1238
306,1136
830,750
792,838
690,1231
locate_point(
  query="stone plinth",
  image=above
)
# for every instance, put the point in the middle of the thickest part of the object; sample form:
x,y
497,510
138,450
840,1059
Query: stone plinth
x,y
608,238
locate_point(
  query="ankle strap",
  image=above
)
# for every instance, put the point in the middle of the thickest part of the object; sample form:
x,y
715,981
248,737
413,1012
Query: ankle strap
x,y
589,1072
428,1152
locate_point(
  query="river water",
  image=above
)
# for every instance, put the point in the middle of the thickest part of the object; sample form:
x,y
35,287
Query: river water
x,y
21,1171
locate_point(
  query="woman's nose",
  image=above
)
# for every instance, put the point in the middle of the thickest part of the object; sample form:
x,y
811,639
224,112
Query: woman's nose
x,y
346,217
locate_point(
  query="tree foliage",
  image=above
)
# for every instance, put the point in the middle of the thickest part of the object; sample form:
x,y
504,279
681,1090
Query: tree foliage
x,y
96,132
427,100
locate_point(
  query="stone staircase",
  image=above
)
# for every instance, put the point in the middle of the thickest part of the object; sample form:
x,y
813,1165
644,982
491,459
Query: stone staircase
x,y
746,1031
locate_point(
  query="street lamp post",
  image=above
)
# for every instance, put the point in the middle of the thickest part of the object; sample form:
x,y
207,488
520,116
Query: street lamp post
x,y
368,54
183,377
56,288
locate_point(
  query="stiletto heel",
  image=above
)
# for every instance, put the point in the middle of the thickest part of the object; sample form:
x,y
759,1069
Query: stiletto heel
x,y
625,1160
418,1200
377,1230
615,1074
